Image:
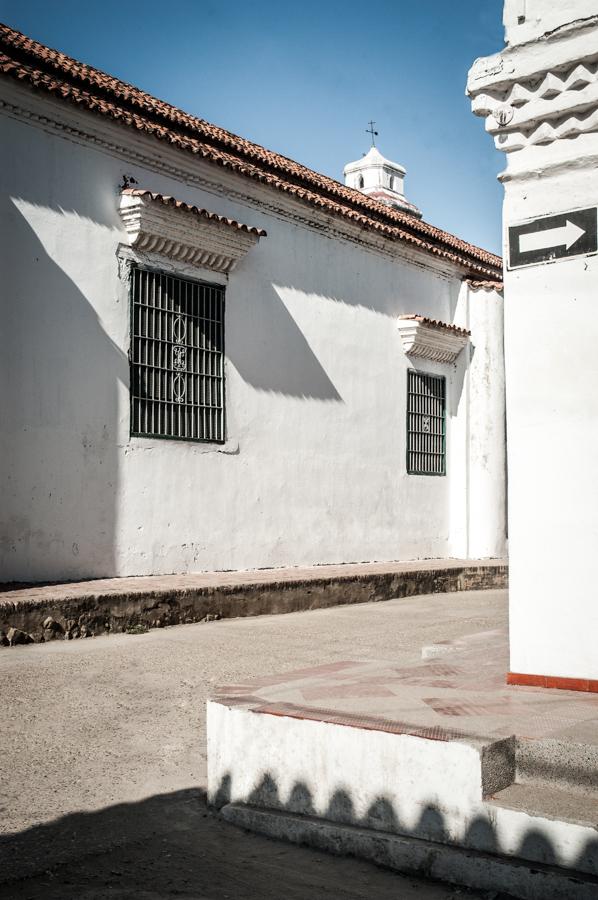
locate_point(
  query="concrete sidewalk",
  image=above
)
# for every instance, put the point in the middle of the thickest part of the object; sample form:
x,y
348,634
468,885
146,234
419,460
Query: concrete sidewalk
x,y
40,613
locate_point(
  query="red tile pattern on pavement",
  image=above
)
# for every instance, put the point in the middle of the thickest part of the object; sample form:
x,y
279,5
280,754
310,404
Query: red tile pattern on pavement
x,y
466,697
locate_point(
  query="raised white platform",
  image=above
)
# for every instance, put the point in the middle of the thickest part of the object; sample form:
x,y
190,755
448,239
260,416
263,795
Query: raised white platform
x,y
440,752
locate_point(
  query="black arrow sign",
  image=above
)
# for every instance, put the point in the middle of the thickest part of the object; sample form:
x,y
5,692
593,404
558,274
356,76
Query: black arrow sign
x,y
554,237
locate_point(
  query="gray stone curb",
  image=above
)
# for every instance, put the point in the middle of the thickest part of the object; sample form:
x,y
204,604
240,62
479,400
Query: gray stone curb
x,y
413,856
45,615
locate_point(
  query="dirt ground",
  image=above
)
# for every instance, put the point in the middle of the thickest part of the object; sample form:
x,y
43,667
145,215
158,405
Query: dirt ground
x,y
171,846
103,756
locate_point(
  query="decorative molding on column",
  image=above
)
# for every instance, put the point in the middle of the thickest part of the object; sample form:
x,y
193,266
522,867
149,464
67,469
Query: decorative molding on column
x,y
174,229
542,91
431,339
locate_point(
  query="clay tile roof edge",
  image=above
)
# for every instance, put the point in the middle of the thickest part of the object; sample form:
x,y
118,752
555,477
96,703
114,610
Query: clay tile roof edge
x,y
485,285
435,323
69,80
196,210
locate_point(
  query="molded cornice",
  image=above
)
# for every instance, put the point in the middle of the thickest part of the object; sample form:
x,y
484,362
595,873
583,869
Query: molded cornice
x,y
177,230
430,339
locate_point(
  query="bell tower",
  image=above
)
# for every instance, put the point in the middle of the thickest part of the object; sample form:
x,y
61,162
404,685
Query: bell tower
x,y
380,178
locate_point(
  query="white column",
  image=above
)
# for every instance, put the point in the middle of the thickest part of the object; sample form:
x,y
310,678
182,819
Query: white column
x,y
487,451
477,447
540,100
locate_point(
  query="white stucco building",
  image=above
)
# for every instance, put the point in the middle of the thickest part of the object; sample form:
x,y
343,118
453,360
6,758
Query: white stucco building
x,y
539,98
214,358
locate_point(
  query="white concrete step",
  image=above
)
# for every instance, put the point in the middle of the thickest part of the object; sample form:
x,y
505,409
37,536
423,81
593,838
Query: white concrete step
x,y
440,862
550,802
567,765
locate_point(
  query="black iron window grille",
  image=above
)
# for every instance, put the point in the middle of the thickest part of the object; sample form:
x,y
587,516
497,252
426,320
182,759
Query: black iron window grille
x,y
426,424
177,358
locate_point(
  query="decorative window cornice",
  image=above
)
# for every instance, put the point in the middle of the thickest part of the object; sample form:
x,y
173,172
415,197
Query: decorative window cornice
x,y
474,285
431,339
159,224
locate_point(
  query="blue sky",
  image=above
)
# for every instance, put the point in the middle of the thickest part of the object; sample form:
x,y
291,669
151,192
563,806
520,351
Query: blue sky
x,y
304,78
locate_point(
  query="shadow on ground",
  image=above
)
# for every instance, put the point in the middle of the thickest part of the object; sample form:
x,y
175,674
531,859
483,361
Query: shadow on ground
x,y
566,869
171,845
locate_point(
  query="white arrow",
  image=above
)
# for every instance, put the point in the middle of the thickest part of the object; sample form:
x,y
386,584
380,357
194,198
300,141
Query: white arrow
x,y
567,234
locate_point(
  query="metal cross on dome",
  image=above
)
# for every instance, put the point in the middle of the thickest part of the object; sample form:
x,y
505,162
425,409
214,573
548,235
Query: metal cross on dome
x,y
371,131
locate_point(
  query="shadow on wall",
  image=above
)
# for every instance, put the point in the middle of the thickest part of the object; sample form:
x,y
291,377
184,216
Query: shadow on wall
x,y
265,340
271,353
431,826
358,279
454,374
59,415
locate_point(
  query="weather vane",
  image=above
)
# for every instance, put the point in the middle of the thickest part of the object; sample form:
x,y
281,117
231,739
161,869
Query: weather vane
x,y
373,133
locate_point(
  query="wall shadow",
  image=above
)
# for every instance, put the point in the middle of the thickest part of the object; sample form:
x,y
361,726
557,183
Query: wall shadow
x,y
454,373
265,341
431,826
270,352
402,287
267,347
60,375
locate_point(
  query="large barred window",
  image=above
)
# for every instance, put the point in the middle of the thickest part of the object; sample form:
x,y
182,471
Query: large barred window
x,y
177,358
426,424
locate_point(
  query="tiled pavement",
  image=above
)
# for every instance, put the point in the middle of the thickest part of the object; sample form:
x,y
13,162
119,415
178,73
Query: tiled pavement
x,y
463,694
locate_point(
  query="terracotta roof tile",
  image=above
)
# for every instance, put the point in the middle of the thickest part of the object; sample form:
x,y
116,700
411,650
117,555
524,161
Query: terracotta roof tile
x,y
55,73
436,323
485,285
187,207
404,205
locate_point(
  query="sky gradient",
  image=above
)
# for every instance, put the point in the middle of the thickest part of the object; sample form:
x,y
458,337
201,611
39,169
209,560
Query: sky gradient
x,y
304,79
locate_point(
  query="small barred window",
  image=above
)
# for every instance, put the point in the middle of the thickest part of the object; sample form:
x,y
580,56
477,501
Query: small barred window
x,y
177,358
426,424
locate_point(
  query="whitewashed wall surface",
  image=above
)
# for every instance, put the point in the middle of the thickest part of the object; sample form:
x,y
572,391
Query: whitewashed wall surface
x,y
313,468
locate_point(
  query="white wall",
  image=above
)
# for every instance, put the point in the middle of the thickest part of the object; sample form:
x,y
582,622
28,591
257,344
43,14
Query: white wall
x,y
551,336
314,467
482,443
528,19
